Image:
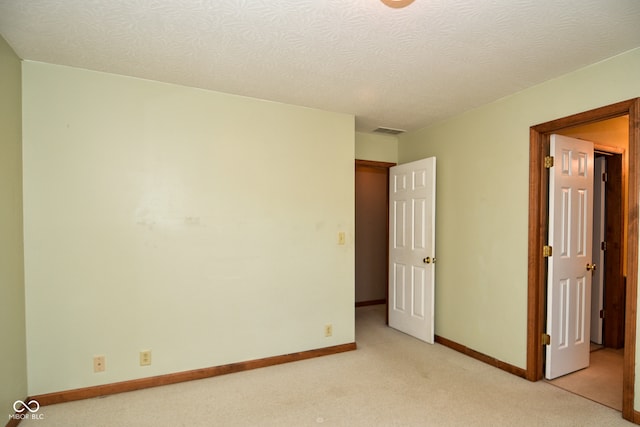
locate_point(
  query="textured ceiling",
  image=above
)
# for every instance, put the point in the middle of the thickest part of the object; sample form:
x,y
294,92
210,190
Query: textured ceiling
x,y
398,68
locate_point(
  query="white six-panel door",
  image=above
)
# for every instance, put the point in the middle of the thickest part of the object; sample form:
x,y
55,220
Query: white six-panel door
x,y
570,236
412,191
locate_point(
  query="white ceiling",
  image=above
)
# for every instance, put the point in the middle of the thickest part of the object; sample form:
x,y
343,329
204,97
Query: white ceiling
x,y
397,68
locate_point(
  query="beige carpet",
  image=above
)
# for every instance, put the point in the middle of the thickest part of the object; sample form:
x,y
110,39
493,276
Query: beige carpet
x,y
601,381
391,380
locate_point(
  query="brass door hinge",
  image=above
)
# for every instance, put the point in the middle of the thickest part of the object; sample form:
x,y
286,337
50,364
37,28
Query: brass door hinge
x,y
547,251
548,162
546,339
603,246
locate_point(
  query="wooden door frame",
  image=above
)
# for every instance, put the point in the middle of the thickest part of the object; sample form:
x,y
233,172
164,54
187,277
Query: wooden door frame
x,y
385,166
614,280
538,195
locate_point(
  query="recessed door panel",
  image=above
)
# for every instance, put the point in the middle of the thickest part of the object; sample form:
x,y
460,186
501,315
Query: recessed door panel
x,y
399,221
583,217
418,290
563,314
399,286
418,229
580,308
565,222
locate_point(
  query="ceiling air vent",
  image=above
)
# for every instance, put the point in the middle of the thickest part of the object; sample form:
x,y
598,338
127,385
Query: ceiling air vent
x,y
389,131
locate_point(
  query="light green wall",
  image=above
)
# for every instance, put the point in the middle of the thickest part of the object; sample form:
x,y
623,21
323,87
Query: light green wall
x,y
13,369
482,206
200,225
156,218
379,148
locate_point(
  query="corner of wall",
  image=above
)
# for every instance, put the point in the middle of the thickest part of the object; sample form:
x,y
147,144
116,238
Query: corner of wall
x,y
13,371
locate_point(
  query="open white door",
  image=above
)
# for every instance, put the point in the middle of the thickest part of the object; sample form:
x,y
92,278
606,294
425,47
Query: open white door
x,y
570,266
412,209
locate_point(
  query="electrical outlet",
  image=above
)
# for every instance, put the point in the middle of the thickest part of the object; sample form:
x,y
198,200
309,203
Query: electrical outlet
x,y
341,238
328,330
145,358
98,364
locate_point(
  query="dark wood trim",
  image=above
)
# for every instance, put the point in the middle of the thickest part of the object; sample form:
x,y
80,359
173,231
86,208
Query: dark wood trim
x,y
629,367
373,302
374,164
382,165
538,182
13,422
536,293
481,357
599,114
614,294
196,374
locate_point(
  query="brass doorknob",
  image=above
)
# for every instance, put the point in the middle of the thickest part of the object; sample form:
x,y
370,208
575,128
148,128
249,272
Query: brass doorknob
x,y
591,267
427,260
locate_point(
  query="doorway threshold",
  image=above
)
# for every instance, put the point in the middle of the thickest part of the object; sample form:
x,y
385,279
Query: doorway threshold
x,y
601,382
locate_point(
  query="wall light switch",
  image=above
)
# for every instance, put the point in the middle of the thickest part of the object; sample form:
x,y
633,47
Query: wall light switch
x,y
341,238
328,330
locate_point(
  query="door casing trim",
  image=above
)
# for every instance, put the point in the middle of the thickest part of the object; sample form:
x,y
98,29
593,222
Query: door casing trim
x,y
538,192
